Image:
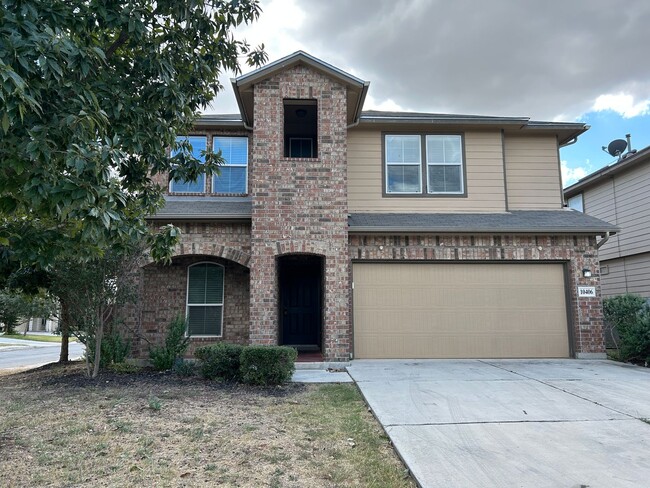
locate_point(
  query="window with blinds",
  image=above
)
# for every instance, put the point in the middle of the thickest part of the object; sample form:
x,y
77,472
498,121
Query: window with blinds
x,y
198,143
233,177
205,299
423,164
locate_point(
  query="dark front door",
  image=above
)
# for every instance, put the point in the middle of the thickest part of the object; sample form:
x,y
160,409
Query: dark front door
x,y
300,300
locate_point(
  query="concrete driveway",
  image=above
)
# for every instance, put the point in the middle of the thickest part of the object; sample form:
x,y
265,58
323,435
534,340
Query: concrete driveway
x,y
514,423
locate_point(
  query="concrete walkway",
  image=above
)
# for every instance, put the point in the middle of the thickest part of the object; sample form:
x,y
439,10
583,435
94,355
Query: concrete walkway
x,y
505,423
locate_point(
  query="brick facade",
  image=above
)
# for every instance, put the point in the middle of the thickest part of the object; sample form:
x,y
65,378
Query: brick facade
x,y
300,204
577,252
163,289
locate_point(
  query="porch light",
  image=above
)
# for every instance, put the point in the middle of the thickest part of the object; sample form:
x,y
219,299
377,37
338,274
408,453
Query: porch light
x,y
586,272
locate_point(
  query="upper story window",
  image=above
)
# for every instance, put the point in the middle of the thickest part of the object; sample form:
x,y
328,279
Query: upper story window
x,y
300,128
427,164
576,203
198,143
234,171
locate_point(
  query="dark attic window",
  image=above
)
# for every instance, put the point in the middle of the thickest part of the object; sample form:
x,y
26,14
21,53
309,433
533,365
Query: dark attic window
x,y
300,128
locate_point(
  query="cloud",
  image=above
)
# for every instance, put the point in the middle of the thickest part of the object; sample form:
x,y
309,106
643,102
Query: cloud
x,y
571,175
622,104
547,60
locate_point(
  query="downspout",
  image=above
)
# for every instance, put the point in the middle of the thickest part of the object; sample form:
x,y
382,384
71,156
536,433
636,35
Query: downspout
x,y
602,242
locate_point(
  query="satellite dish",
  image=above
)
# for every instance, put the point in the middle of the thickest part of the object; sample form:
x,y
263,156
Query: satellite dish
x,y
616,147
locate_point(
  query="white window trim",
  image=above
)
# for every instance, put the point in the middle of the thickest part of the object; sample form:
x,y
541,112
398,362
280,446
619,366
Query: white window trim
x,y
205,180
578,197
188,305
418,164
460,164
232,166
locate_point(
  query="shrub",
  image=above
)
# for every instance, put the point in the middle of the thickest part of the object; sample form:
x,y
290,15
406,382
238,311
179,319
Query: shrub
x,y
267,365
219,361
115,349
176,342
183,367
629,316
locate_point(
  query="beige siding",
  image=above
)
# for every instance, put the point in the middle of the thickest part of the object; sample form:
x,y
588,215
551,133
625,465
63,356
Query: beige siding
x,y
623,200
532,172
630,274
459,310
484,169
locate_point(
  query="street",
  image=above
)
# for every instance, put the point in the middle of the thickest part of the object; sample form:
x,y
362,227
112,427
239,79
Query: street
x,y
31,353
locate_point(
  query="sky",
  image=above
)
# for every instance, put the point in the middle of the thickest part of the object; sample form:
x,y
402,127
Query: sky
x,y
577,60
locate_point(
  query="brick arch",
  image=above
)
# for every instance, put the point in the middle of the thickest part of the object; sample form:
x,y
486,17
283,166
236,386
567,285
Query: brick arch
x,y
211,249
320,248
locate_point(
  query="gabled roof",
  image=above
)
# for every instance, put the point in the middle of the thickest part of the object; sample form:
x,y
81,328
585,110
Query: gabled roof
x,y
642,156
243,85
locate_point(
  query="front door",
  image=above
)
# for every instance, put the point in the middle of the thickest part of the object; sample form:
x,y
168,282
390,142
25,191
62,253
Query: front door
x,y
300,300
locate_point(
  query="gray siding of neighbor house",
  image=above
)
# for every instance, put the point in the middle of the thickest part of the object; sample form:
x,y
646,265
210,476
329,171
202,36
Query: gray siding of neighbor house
x,y
623,200
626,275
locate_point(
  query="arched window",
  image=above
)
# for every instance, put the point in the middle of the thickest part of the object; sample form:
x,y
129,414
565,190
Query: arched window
x,y
205,299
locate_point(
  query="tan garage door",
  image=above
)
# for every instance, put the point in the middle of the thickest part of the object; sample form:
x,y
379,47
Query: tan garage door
x,y
459,311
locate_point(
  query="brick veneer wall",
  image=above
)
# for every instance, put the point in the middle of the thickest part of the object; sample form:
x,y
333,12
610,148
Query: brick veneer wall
x,y
162,289
300,204
578,252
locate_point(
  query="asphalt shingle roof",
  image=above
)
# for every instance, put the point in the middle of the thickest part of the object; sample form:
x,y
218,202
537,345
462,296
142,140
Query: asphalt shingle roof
x,y
553,221
188,208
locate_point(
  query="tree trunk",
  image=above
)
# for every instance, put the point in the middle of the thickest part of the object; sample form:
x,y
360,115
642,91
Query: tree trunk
x,y
64,327
99,333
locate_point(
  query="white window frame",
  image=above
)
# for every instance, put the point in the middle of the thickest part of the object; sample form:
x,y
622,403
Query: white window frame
x,y
187,298
232,165
205,180
576,198
387,164
460,164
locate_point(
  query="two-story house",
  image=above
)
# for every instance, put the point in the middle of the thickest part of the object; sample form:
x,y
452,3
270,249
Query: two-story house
x,y
619,194
375,234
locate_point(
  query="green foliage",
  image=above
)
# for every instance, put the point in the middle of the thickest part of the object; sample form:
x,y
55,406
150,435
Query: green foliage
x,y
176,342
124,368
267,365
629,316
185,368
16,307
115,349
219,361
155,403
93,95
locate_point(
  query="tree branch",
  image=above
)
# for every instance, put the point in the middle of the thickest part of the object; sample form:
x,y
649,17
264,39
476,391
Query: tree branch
x,y
119,42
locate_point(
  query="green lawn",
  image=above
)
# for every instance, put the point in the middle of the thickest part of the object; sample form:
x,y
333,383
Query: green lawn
x,y
35,337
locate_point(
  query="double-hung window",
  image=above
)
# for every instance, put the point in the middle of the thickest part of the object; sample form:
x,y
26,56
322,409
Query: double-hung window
x,y
403,164
205,299
198,143
444,164
234,171
426,164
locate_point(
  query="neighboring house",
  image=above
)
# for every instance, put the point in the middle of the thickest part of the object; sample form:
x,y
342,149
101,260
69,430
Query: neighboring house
x,y
375,234
619,193
38,324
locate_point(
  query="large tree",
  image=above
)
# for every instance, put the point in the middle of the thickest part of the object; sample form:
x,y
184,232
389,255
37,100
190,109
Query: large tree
x,y
93,93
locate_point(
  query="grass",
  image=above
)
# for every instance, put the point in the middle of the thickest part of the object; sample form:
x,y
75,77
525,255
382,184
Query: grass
x,y
152,429
37,337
